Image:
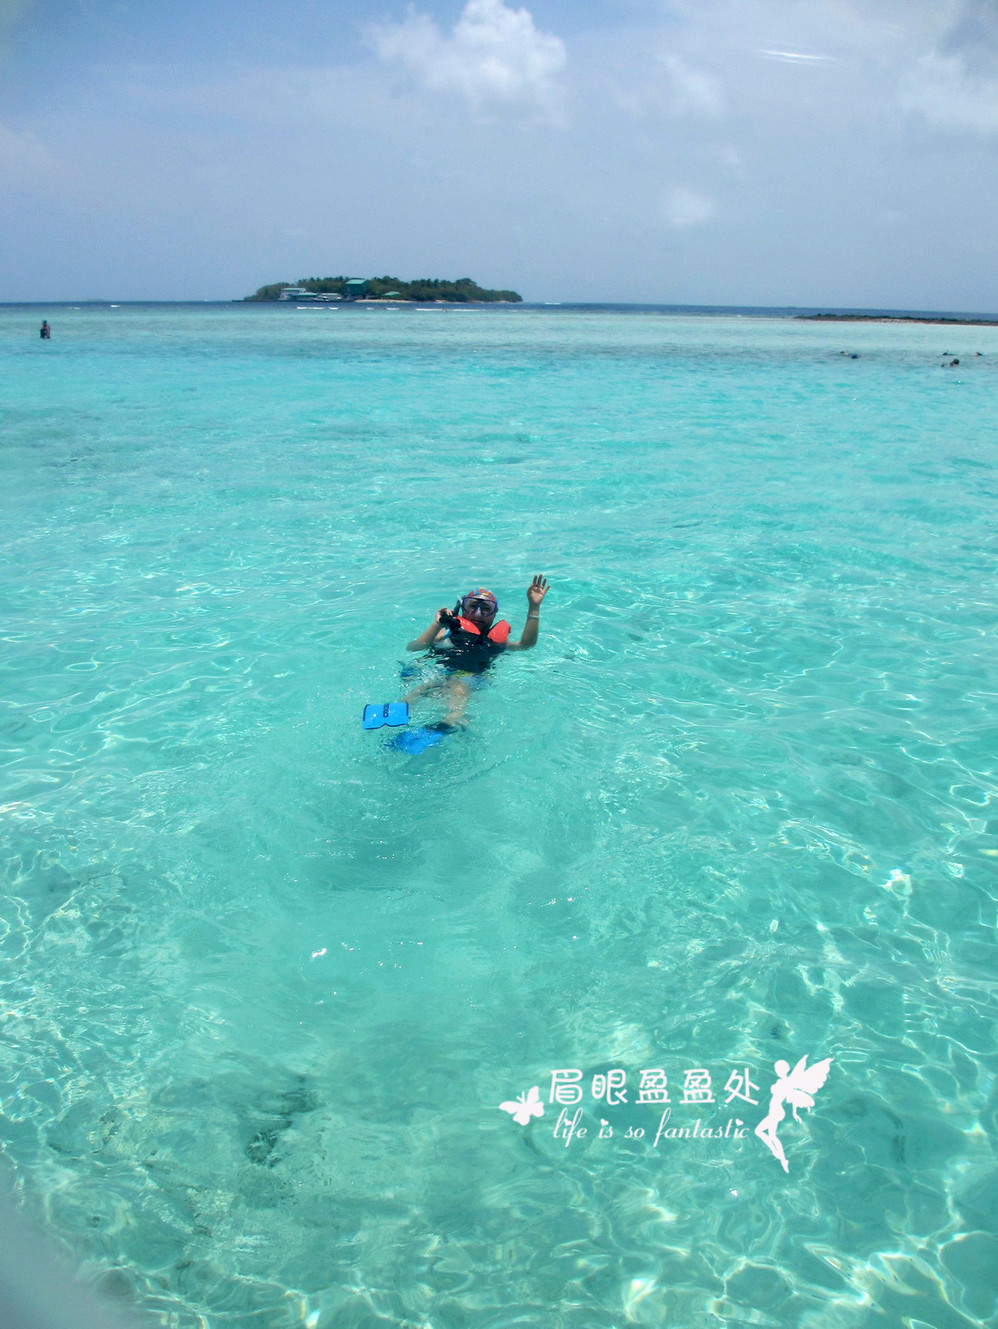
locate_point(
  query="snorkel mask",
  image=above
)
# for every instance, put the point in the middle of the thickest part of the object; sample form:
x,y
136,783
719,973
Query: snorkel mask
x,y
481,600
481,603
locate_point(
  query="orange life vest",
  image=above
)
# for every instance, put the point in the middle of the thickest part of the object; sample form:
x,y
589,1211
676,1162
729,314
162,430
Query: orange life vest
x,y
498,633
474,650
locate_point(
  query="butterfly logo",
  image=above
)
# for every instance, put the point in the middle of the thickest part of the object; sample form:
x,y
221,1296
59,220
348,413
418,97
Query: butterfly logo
x,y
523,1108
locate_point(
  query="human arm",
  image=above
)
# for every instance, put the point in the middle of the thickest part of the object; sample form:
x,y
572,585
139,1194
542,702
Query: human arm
x,y
536,592
433,633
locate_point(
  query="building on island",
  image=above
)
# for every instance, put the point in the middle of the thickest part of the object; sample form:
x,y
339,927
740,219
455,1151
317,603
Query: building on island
x,y
353,289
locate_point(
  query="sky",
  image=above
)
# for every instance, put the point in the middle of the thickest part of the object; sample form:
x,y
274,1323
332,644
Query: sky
x,y
836,153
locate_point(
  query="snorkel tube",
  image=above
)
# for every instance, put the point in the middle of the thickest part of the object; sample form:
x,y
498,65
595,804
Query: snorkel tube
x,y
450,618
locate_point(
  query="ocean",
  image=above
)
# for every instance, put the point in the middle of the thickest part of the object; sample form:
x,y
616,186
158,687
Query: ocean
x,y
303,1030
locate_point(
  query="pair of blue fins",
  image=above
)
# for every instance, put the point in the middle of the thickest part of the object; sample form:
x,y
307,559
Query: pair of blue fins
x,y
394,713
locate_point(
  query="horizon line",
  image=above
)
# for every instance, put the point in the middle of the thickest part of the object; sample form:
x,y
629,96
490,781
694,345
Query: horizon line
x,y
988,318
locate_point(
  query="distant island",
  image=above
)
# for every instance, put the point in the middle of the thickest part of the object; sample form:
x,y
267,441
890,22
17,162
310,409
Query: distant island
x,y
900,318
429,289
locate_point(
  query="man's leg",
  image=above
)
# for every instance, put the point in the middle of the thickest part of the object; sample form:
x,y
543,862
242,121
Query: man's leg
x,y
457,695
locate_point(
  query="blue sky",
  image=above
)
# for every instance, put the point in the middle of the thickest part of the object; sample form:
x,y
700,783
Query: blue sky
x,y
774,152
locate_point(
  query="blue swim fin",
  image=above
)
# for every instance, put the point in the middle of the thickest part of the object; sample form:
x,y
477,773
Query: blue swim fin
x,y
377,714
418,740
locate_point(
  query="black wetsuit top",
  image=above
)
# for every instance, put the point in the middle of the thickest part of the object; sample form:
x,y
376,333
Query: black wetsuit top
x,y
469,650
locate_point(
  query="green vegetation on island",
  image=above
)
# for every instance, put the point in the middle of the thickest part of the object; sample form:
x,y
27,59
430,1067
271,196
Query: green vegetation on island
x,y
461,291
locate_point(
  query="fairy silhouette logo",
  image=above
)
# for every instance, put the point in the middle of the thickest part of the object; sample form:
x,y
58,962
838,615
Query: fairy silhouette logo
x,y
794,1088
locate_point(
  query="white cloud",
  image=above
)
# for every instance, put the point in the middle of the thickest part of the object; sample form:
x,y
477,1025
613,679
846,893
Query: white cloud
x,y
796,57
685,207
956,84
691,92
24,159
493,57
943,90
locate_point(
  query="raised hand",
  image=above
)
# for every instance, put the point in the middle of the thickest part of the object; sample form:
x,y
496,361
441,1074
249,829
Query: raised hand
x,y
536,591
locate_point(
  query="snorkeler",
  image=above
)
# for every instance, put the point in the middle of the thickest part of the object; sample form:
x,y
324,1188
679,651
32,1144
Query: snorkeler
x,y
467,639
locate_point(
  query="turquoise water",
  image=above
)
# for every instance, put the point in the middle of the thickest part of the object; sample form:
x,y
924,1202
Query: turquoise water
x,y
266,981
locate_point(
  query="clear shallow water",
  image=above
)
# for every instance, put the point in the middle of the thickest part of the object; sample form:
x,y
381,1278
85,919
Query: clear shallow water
x,y
265,982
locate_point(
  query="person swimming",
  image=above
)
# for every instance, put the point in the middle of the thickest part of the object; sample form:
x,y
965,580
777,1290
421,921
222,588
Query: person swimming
x,y
468,639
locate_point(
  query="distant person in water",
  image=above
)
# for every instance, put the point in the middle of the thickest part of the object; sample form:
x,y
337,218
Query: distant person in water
x,y
45,332
466,641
